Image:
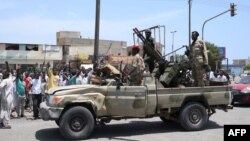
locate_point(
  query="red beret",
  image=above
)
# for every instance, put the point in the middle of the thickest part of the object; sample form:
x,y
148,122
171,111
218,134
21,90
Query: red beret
x,y
135,46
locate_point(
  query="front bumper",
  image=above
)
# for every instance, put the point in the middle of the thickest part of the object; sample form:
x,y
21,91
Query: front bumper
x,y
49,113
242,98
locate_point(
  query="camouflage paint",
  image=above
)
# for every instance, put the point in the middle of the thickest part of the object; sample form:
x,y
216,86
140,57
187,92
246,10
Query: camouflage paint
x,y
136,101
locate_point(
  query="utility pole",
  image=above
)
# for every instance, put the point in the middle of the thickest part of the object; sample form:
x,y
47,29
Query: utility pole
x,y
227,65
97,26
232,9
173,32
189,22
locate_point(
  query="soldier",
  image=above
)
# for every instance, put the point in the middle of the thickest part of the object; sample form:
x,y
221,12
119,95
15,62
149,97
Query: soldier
x,y
198,54
146,55
138,67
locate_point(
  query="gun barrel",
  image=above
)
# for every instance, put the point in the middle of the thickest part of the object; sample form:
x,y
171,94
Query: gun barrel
x,y
149,47
175,50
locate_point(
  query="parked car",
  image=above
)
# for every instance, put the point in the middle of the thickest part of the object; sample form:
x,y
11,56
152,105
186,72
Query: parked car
x,y
241,91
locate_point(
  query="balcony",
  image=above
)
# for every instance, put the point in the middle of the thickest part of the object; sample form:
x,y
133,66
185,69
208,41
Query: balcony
x,y
29,55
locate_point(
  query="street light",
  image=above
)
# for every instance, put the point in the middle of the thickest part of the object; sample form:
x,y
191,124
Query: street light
x,y
173,32
227,64
97,27
232,9
189,21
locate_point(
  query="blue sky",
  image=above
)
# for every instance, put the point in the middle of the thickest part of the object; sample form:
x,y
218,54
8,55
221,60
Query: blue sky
x,y
37,21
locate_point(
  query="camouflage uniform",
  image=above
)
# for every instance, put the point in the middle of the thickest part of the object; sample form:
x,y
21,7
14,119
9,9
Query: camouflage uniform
x,y
138,68
149,61
199,60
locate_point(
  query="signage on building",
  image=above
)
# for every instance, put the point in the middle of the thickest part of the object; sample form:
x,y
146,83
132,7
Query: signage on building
x,y
29,55
51,48
222,51
83,56
117,59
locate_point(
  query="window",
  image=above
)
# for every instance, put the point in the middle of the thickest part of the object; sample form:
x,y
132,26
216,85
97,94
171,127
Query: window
x,y
31,47
12,47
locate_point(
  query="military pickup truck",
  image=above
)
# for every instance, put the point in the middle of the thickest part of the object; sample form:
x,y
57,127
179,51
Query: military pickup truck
x,y
77,109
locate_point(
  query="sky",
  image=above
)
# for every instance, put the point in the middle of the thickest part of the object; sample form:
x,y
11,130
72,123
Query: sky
x,y
37,21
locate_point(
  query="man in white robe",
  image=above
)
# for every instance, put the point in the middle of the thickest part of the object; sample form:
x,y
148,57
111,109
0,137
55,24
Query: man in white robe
x,y
6,94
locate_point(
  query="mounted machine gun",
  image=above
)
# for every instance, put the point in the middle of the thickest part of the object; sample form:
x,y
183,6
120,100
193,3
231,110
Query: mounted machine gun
x,y
170,74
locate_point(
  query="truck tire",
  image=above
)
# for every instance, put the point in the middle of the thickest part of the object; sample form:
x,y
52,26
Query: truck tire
x,y
193,117
77,123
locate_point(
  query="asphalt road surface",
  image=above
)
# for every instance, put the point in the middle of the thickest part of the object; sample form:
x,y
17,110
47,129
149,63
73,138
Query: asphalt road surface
x,y
152,129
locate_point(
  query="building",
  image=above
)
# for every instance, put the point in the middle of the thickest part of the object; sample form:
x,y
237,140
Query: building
x,y
76,47
70,46
236,69
28,54
244,62
158,47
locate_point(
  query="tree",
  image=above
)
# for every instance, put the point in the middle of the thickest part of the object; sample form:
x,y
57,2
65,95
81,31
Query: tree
x,y
247,68
213,56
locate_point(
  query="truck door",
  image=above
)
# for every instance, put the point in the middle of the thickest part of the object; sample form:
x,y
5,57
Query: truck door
x,y
127,101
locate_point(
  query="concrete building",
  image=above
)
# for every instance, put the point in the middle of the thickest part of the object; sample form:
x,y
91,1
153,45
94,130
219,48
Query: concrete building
x,y
158,47
70,46
74,46
244,62
236,69
28,54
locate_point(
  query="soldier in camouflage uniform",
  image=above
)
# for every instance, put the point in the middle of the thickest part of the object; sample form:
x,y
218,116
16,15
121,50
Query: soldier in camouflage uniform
x,y
146,55
138,66
198,54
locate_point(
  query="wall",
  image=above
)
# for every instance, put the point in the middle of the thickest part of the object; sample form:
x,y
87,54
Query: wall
x,y
48,53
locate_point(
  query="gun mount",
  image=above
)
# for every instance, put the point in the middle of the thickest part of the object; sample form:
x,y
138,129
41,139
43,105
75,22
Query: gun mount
x,y
170,74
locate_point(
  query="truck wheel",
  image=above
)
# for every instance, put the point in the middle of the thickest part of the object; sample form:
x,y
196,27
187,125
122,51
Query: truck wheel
x,y
77,123
193,117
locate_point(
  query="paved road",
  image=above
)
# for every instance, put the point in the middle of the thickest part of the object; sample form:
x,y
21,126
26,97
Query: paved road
x,y
130,130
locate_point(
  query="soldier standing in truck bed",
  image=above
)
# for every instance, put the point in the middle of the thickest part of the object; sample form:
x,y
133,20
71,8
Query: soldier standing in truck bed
x,y
146,55
198,54
138,66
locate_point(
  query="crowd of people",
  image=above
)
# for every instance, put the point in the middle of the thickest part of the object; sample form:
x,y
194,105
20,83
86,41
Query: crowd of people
x,y
22,90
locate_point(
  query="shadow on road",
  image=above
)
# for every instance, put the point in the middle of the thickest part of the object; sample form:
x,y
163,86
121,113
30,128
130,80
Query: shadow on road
x,y
52,134
213,125
242,105
117,131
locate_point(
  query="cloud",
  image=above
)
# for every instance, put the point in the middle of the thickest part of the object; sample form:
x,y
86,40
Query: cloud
x,y
161,16
34,29
5,5
122,30
72,14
